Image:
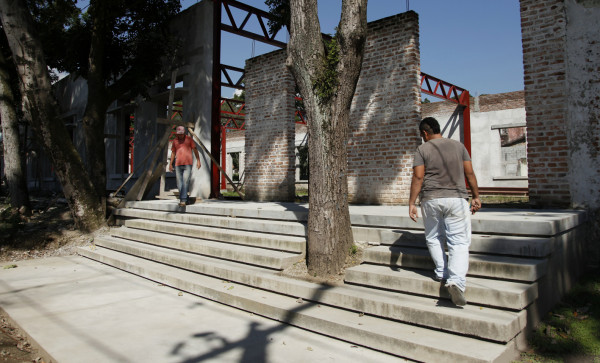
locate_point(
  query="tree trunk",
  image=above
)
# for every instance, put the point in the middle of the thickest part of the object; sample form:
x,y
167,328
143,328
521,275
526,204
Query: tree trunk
x,y
329,229
94,117
14,165
42,110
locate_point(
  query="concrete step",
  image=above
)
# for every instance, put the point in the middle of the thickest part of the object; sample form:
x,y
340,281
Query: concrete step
x,y
247,238
250,255
235,209
246,224
496,293
389,336
498,267
491,324
540,222
480,243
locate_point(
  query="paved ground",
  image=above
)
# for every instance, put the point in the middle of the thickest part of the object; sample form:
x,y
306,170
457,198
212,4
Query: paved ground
x,y
80,310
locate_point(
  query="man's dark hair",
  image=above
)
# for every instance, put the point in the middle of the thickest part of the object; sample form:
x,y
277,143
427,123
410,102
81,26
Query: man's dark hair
x,y
430,125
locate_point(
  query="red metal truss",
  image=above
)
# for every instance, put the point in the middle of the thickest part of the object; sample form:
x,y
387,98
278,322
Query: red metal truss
x,y
442,89
239,84
233,114
261,16
447,91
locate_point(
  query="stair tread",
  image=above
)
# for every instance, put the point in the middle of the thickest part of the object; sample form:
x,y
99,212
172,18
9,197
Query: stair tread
x,y
390,336
245,254
289,227
480,243
232,232
504,294
489,323
472,256
119,232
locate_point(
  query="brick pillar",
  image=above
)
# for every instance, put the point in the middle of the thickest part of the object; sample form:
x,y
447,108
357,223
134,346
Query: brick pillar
x,y
543,27
385,113
270,129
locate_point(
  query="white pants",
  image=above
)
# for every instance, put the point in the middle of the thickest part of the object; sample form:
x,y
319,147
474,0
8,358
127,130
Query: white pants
x,y
448,224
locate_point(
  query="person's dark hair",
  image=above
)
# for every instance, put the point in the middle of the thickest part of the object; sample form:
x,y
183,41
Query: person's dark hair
x,y
430,125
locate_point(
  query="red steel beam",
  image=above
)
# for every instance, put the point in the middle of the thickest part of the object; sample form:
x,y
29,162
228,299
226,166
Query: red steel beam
x,y
215,120
261,17
447,91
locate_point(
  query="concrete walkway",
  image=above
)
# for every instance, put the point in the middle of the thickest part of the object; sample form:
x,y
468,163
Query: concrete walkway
x,y
77,310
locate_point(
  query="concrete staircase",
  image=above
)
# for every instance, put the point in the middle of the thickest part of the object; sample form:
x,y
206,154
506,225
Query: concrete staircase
x,y
234,252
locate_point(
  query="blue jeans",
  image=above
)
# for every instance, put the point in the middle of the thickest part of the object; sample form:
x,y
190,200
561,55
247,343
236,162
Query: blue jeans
x,y
183,174
448,224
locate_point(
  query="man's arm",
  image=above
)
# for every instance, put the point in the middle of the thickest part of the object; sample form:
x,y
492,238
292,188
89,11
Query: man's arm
x,y
415,188
172,159
198,165
472,181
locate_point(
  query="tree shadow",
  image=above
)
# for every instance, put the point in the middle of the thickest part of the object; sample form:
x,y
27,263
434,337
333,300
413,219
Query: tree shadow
x,y
254,343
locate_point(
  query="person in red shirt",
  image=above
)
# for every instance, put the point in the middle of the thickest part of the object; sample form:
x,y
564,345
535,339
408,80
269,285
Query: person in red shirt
x,y
181,154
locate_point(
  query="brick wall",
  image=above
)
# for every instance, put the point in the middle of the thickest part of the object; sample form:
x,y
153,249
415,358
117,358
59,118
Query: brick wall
x,y
269,145
385,113
543,27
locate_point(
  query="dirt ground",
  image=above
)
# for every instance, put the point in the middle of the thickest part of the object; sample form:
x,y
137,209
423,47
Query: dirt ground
x,y
49,231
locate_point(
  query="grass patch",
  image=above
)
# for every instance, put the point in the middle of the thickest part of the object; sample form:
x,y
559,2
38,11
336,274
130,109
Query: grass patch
x,y
572,329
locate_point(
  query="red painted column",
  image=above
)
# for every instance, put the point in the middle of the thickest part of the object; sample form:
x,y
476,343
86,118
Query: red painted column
x,y
465,101
215,129
223,156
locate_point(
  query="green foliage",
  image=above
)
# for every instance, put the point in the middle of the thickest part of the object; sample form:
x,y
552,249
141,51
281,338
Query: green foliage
x,y
353,249
327,81
281,13
426,100
135,36
240,96
56,22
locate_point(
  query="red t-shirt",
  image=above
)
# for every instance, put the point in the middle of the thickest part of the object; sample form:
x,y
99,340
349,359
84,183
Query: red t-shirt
x,y
182,151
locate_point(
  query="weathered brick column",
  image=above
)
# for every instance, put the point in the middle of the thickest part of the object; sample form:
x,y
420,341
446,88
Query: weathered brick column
x,y
385,113
543,26
561,53
270,129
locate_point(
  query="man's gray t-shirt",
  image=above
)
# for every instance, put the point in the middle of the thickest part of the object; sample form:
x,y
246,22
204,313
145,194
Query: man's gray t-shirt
x,y
444,172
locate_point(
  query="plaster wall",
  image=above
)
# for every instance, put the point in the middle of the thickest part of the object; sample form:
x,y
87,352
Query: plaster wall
x,y
195,27
583,100
489,114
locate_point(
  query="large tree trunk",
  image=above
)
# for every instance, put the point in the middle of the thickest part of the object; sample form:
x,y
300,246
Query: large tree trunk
x,y
94,117
14,164
42,110
329,228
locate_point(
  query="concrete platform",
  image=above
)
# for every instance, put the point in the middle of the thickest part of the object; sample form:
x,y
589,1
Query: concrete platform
x,y
79,310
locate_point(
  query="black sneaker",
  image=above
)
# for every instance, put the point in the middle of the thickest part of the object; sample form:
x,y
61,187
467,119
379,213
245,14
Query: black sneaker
x,y
458,297
439,279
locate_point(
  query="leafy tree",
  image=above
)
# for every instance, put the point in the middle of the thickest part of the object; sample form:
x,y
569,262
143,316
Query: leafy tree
x,y
41,109
326,72
119,47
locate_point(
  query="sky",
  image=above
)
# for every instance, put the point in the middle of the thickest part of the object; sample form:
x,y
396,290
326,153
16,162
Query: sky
x,y
474,44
